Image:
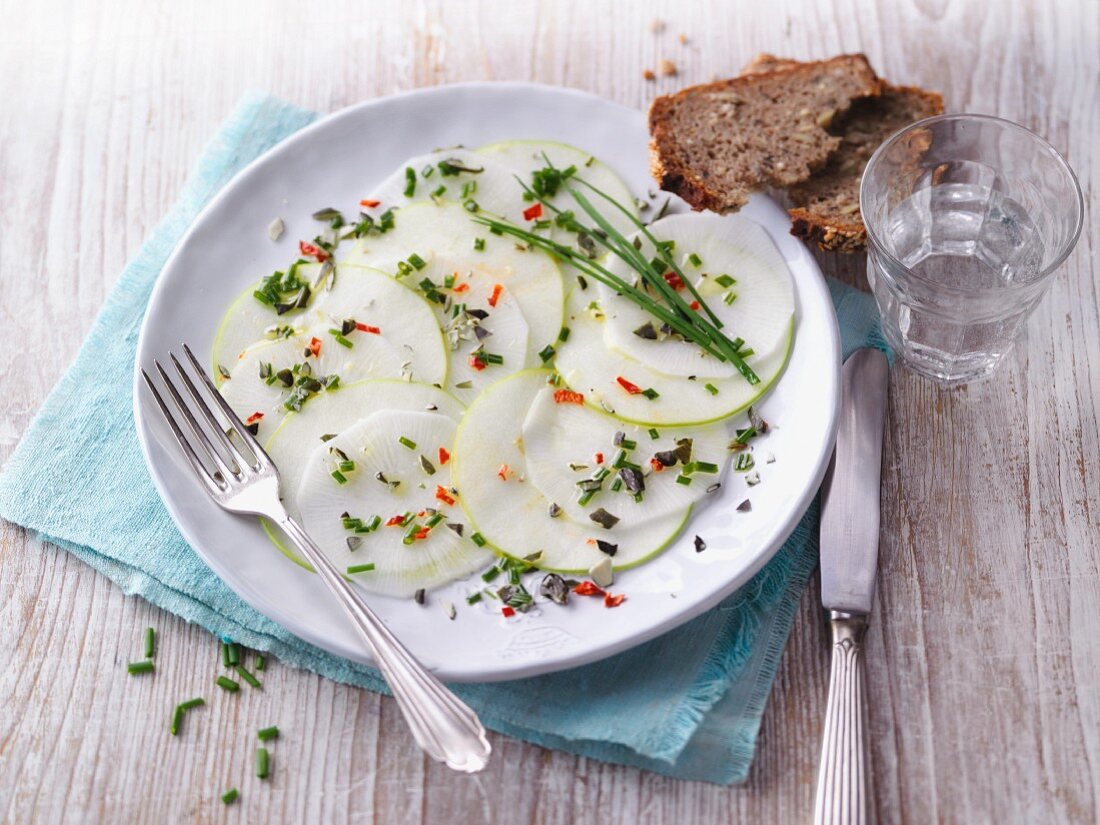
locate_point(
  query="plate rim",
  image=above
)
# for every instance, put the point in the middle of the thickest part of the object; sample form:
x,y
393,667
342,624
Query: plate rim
x,y
767,551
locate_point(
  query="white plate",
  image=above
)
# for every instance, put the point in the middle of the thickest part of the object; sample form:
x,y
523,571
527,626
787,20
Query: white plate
x,y
335,162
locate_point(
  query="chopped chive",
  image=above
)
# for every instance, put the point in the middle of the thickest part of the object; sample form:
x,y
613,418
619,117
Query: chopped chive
x,y
227,684
347,466
744,463
628,444
653,433
478,539
729,298
563,336
434,520
713,390
683,479
410,181
427,171
248,677
340,477
546,353
440,191
150,643
490,574
479,244
135,668
725,281
234,653
616,485
407,442
225,654
230,796
266,734
374,523
416,261
695,260
341,339
651,394
262,763
360,568
260,662
587,497
700,467
473,598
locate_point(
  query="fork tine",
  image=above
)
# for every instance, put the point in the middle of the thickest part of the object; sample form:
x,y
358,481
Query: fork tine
x,y
200,469
242,431
204,408
200,433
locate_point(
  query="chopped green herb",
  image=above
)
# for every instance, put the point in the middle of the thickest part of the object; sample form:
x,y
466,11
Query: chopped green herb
x,y
405,442
651,394
491,573
683,479
248,677
439,192
729,298
563,336
473,598
347,466
262,763
135,668
267,734
416,261
725,281
410,181
227,684
479,244
695,260
230,796
713,390
653,433
478,539
744,462
339,477
260,662
150,643
341,339
374,523
360,568
546,353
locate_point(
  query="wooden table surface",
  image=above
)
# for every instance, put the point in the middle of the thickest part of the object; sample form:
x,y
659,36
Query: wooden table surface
x,y
984,661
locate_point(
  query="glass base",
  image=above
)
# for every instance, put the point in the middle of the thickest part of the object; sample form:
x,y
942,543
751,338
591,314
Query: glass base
x,y
946,369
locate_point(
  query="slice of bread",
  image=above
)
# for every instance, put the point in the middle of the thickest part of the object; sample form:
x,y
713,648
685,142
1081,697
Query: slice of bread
x,y
716,144
826,207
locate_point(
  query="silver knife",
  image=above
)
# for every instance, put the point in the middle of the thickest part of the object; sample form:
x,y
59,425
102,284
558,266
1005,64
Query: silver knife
x,y
849,559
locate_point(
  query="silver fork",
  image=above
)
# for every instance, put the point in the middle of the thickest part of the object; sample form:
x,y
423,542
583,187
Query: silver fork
x,y
441,723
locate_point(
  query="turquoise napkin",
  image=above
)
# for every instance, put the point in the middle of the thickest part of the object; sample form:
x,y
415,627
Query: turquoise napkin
x,y
78,480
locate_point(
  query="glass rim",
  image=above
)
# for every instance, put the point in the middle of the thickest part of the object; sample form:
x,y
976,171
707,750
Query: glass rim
x,y
1042,143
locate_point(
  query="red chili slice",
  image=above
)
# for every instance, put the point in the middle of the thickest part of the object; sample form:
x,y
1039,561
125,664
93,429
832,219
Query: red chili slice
x,y
368,328
444,456
694,305
315,346
599,458
656,465
442,494
588,589
370,204
461,288
310,250
613,601
633,389
673,280
476,363
503,472
497,289
395,521
422,533
532,212
252,419
568,397
507,612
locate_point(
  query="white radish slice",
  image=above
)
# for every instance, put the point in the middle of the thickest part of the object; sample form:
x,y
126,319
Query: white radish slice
x,y
494,188
331,413
403,564
254,388
730,246
475,343
490,474
568,443
528,156
443,237
401,315
590,367
247,321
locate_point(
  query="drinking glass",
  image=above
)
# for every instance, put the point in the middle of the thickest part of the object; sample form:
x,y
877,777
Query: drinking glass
x,y
968,217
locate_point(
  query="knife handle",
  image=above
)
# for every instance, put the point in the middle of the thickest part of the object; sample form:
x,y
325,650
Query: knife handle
x,y
843,780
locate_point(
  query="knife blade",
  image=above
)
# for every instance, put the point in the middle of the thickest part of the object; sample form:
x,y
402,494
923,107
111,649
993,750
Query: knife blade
x,y
850,500
849,559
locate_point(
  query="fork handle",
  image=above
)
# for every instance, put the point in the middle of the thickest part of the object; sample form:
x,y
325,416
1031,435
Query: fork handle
x,y
445,727
843,787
